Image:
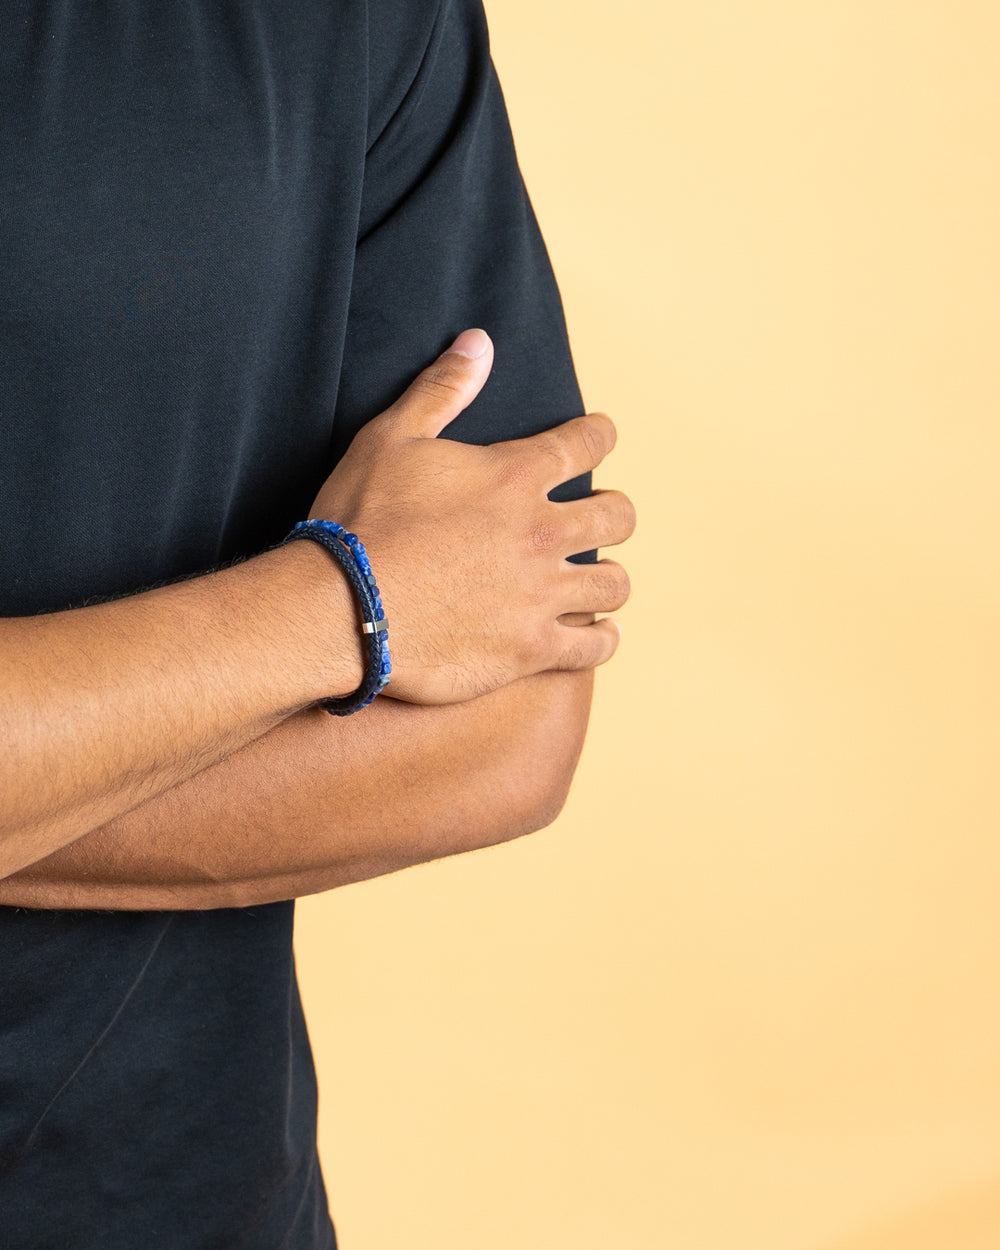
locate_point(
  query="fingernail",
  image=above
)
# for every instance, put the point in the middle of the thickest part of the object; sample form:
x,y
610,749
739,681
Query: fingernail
x,y
471,343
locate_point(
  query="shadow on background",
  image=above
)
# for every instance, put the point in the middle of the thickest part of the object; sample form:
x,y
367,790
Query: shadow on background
x,y
969,1220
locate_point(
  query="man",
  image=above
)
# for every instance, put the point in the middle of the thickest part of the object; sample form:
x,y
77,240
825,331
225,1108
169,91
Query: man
x,y
230,235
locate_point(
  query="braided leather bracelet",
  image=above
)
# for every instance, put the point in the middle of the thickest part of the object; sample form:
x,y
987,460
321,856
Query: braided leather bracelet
x,y
348,550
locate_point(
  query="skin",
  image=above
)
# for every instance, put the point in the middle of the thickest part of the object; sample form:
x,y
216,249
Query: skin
x,y
293,813
141,741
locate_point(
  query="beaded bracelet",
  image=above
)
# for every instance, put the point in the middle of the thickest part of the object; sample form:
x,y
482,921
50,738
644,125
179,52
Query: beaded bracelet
x,y
347,549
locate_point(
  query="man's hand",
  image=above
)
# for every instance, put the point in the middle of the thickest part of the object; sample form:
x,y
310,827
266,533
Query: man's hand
x,y
469,551
108,706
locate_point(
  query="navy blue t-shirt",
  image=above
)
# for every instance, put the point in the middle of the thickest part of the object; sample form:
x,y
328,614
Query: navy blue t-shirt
x,y
231,231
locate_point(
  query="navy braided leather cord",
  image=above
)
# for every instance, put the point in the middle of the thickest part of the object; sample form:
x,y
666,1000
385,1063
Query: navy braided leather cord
x,y
348,550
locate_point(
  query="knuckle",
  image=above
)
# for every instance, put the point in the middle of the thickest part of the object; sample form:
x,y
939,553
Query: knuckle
x,y
543,537
549,444
614,514
552,444
590,441
439,381
515,474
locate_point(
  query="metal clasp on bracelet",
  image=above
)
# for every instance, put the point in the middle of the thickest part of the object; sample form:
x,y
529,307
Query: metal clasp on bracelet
x,y
375,627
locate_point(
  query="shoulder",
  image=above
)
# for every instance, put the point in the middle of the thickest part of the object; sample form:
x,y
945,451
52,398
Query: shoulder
x,y
414,45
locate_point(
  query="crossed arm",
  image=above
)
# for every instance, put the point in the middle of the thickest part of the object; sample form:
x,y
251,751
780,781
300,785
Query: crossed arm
x,y
323,801
246,793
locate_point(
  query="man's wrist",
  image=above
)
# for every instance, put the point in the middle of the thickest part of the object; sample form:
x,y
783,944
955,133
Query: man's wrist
x,y
312,607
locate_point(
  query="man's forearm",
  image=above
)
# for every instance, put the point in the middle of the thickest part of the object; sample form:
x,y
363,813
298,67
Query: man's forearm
x,y
107,706
322,801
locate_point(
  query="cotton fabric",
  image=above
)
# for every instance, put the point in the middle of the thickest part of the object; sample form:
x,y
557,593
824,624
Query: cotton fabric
x,y
230,233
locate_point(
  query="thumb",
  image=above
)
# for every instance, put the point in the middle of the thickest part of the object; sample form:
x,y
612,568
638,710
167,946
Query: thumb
x,y
444,389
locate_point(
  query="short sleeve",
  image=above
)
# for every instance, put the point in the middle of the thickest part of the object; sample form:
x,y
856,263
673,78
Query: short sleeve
x,y
447,236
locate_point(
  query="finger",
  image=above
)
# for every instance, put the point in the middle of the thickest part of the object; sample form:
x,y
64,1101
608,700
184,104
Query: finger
x,y
600,587
603,519
560,454
586,646
444,389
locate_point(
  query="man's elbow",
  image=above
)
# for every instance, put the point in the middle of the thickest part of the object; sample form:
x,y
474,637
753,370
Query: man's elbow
x,y
545,800
531,781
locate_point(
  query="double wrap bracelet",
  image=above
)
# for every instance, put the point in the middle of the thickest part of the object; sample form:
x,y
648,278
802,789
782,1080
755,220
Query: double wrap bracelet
x,y
348,550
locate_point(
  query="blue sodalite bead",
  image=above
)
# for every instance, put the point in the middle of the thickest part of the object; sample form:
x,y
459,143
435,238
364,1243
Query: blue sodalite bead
x,y
372,610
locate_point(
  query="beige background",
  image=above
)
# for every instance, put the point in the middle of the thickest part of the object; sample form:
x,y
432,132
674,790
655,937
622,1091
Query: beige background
x,y
744,995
